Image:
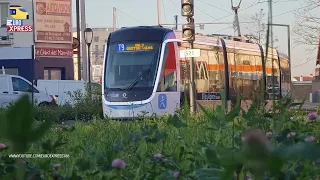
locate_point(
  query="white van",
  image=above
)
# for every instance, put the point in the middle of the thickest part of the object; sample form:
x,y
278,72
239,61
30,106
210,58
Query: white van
x,y
12,87
61,88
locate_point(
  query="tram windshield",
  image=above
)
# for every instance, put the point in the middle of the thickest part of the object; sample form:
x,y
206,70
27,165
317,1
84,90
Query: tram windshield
x,y
131,65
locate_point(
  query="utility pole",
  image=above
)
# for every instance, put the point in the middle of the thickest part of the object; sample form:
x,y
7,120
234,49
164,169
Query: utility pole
x,y
188,34
176,22
79,38
114,19
236,17
159,12
83,43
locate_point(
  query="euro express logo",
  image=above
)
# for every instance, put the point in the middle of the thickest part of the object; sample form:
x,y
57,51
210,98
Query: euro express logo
x,y
18,12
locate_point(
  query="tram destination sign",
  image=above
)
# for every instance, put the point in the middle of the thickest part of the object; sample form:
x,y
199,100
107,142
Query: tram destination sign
x,y
134,47
190,53
208,96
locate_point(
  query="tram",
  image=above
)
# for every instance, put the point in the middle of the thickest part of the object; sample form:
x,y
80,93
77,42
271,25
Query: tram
x,y
143,74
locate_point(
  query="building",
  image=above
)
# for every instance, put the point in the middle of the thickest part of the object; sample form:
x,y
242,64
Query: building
x,y
47,50
97,48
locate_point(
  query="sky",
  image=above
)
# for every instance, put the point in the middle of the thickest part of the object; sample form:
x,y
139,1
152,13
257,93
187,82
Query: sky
x,y
144,12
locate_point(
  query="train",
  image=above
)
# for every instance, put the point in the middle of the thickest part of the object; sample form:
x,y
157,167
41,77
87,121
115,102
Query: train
x,y
144,75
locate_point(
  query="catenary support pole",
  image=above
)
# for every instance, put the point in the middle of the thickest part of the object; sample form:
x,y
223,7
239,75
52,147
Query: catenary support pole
x,y
114,19
192,85
83,43
79,38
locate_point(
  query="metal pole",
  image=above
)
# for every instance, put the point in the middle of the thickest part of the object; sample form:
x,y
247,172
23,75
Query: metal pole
x,y
33,52
32,72
289,53
89,65
114,19
83,43
192,85
176,22
78,37
159,11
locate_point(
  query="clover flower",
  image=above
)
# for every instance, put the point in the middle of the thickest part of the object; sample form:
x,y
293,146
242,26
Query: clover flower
x,y
176,174
56,166
312,116
158,156
118,164
2,146
309,139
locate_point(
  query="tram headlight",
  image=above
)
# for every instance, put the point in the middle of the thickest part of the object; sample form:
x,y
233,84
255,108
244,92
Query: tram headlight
x,y
187,8
188,32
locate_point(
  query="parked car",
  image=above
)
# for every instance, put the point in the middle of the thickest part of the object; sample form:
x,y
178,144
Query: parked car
x,y
12,87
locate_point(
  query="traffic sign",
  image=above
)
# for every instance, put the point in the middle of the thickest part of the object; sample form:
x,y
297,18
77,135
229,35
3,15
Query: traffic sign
x,y
189,53
75,43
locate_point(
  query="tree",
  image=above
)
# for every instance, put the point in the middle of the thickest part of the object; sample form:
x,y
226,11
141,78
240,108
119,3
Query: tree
x,y
307,25
259,28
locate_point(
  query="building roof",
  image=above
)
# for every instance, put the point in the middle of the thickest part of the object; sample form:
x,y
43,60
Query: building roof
x,y
303,78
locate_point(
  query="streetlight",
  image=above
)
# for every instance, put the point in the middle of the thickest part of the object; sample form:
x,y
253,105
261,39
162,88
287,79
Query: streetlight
x,y
88,36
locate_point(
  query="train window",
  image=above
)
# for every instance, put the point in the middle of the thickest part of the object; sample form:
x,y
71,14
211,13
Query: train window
x,y
201,66
216,71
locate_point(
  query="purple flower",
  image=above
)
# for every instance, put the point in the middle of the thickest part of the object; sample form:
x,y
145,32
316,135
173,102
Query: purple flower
x,y
118,164
176,174
158,156
56,166
2,146
312,116
309,139
253,135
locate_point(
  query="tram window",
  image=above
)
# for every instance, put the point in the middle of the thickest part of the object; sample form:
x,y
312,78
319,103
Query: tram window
x,y
238,80
168,81
215,69
124,67
233,74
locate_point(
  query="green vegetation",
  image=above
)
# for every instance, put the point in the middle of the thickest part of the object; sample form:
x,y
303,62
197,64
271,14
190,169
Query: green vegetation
x,y
216,145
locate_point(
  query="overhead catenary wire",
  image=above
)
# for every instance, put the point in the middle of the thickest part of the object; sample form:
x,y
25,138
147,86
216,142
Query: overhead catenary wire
x,y
164,11
254,4
130,16
211,23
176,8
272,16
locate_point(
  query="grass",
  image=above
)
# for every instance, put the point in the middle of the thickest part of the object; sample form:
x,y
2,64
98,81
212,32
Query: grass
x,y
199,147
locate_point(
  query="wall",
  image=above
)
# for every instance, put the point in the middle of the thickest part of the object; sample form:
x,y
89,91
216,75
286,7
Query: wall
x,y
65,63
24,66
300,92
